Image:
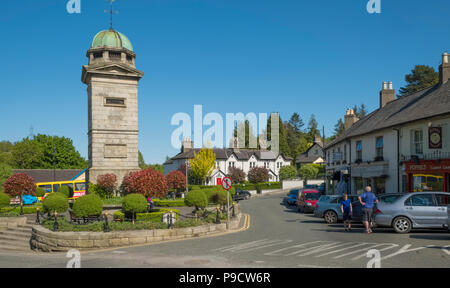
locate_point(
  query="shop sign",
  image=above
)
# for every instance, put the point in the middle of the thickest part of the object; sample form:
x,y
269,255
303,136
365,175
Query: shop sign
x,y
429,167
435,137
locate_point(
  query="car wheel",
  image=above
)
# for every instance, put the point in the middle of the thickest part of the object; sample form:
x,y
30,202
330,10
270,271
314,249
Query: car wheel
x,y
247,197
330,217
402,225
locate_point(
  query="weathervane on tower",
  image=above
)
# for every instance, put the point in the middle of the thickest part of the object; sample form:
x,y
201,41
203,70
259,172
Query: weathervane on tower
x,y
111,11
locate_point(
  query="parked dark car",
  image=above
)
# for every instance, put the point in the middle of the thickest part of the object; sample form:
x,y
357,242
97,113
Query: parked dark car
x,y
292,197
241,195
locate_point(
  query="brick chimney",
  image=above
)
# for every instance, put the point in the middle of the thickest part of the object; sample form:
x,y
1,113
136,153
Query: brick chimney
x,y
234,144
188,145
317,138
387,94
350,118
444,69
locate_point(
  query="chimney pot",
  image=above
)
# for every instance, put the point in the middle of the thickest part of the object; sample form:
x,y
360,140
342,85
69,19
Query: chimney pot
x,y
387,95
444,69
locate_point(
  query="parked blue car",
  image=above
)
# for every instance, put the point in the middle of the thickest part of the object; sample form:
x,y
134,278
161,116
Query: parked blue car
x,y
329,208
292,197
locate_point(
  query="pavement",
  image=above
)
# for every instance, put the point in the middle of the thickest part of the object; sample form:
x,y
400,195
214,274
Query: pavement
x,y
277,236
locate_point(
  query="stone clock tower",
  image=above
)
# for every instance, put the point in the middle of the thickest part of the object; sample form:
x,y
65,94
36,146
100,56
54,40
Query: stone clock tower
x,y
112,80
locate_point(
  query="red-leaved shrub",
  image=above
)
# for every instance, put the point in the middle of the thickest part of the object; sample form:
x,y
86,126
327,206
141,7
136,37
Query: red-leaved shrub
x,y
148,182
20,184
258,175
176,180
107,182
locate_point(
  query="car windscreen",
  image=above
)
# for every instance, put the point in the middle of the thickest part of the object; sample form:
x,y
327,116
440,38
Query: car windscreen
x,y
312,196
293,192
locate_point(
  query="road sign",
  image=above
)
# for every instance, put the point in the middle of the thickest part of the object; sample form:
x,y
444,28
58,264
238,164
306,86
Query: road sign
x,y
227,183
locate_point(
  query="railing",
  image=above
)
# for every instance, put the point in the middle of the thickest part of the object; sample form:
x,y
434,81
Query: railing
x,y
427,156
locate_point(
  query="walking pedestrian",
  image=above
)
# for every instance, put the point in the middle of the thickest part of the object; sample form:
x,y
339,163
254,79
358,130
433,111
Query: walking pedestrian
x,y
347,211
368,201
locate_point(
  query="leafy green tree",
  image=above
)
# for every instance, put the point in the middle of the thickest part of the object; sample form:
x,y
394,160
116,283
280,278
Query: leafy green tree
x,y
296,122
27,154
157,167
421,77
250,137
283,144
339,128
5,173
308,172
287,172
141,161
203,164
360,111
312,128
61,151
6,146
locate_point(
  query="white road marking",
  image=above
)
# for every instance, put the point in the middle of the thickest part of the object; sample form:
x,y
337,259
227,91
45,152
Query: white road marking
x,y
340,250
446,249
403,250
318,249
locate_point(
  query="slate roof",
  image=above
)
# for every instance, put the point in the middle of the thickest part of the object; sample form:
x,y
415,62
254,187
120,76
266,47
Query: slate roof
x,y
241,154
430,102
40,175
305,159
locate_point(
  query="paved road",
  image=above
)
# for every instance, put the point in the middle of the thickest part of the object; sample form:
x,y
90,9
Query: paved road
x,y
278,237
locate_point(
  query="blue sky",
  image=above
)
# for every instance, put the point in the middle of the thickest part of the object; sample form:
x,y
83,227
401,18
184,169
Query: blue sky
x,y
262,56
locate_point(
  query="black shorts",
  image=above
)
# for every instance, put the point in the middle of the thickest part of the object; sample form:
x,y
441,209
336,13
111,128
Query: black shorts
x,y
347,216
367,214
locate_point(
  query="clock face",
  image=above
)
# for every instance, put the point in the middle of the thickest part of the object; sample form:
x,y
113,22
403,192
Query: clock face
x,y
435,138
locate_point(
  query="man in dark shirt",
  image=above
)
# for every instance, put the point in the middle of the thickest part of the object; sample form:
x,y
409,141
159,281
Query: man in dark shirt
x,y
368,201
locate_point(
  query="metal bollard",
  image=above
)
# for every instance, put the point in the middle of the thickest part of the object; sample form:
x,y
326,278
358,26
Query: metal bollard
x,y
106,228
38,218
170,220
218,216
55,224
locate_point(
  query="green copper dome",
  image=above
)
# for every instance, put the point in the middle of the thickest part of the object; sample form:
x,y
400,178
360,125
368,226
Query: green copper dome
x,y
111,38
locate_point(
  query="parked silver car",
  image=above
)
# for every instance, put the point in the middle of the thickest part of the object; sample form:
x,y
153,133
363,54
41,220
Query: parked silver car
x,y
414,210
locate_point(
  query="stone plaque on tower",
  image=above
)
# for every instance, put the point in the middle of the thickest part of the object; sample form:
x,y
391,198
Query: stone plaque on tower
x,y
112,80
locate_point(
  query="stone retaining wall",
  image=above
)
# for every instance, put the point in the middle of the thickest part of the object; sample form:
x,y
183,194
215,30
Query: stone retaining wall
x,y
48,241
12,222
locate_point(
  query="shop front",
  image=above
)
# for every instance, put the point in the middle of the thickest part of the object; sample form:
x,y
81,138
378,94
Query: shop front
x,y
428,175
374,175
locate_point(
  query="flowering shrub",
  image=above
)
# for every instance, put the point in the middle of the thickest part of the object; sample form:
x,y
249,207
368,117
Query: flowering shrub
x,y
176,180
258,175
20,184
107,183
148,182
236,174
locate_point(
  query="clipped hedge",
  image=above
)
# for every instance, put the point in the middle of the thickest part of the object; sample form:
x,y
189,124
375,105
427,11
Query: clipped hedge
x,y
88,205
15,211
4,200
263,186
197,199
134,203
40,192
55,202
169,203
153,216
67,191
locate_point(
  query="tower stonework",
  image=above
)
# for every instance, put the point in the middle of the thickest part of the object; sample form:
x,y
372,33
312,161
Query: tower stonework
x,y
112,80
